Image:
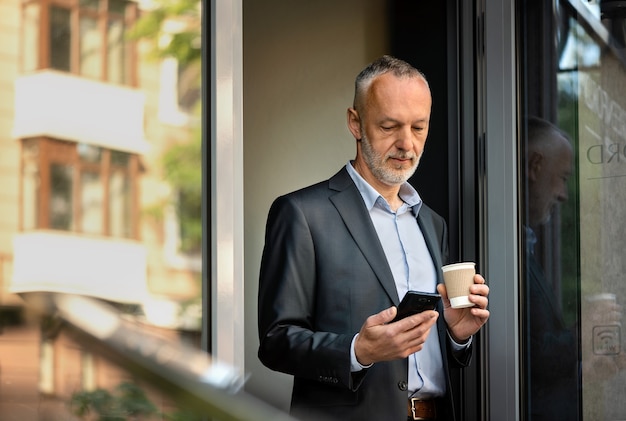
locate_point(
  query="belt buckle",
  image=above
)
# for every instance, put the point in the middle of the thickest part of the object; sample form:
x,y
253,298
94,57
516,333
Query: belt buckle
x,y
414,416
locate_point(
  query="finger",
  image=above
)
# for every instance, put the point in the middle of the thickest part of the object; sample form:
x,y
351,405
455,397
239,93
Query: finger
x,y
422,322
382,317
480,313
480,301
479,289
478,279
441,289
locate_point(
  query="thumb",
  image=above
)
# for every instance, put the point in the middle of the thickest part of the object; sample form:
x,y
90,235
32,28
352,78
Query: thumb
x,y
441,289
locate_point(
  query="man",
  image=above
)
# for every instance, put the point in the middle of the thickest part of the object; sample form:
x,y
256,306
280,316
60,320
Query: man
x,y
553,348
340,254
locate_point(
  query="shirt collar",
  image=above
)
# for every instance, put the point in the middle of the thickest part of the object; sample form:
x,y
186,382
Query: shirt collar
x,y
407,192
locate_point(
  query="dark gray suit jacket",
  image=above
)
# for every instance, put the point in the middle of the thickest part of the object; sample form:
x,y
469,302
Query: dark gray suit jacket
x,y
323,272
552,355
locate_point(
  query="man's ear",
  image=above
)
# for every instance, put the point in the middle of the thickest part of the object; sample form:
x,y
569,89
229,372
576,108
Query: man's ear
x,y
535,161
354,123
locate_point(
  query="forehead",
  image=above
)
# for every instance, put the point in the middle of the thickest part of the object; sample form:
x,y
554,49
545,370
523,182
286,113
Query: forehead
x,y
409,96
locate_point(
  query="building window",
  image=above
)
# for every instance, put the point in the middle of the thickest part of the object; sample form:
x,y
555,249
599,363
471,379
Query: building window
x,y
84,37
78,187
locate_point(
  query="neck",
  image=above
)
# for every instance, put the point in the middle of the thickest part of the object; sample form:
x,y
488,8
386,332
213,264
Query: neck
x,y
389,192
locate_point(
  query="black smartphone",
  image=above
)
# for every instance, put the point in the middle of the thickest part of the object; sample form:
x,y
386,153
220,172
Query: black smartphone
x,y
415,302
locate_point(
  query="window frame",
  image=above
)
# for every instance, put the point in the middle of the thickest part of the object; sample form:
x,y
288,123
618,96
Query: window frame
x,y
103,18
54,151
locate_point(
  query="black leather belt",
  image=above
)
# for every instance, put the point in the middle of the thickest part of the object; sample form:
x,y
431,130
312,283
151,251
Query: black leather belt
x,y
422,409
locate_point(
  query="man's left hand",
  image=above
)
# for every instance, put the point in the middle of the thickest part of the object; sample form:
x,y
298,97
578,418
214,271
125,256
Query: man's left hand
x,y
465,322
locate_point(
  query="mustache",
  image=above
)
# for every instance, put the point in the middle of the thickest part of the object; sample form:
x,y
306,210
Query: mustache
x,y
402,156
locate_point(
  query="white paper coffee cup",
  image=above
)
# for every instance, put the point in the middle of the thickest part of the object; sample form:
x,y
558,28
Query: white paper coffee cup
x,y
458,277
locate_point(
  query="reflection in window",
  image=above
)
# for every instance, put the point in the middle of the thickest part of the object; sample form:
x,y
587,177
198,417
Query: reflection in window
x,y
91,194
116,51
580,50
120,205
89,153
60,197
574,359
90,47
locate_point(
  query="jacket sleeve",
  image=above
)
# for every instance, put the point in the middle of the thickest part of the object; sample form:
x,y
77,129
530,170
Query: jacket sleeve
x,y
289,340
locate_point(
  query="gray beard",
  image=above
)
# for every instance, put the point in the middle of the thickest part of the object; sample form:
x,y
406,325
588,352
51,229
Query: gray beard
x,y
375,162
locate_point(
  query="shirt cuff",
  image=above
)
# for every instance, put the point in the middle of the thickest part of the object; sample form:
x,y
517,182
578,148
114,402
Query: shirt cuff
x,y
355,365
457,346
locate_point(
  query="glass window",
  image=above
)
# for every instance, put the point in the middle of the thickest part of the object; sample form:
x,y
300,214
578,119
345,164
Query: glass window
x,y
60,207
116,51
120,195
573,135
120,205
90,48
60,39
86,212
91,203
89,190
86,37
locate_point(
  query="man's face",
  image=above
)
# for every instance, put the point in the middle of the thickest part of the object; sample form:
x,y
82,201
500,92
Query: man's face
x,y
548,183
393,128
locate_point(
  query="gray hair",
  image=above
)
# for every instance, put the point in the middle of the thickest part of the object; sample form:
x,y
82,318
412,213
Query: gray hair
x,y
544,136
380,66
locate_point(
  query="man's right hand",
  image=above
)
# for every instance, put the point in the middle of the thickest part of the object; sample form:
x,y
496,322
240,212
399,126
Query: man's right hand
x,y
381,340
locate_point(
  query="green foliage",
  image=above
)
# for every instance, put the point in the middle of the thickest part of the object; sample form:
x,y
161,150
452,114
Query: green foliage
x,y
184,44
182,162
129,401
182,167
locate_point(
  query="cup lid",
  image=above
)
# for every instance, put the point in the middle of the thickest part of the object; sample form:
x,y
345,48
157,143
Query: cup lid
x,y
461,265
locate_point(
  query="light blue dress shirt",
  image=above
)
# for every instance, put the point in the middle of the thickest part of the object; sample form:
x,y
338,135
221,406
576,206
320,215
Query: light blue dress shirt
x,y
413,269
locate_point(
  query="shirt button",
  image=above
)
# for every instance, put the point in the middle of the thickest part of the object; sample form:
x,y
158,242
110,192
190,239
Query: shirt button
x,y
402,385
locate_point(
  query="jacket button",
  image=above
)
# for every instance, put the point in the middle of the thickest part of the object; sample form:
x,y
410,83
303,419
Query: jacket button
x,y
402,385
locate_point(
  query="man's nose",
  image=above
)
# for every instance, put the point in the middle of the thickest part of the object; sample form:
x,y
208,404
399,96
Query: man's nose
x,y
405,139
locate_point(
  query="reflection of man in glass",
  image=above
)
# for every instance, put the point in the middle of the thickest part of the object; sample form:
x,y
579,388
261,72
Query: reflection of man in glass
x,y
553,347
554,355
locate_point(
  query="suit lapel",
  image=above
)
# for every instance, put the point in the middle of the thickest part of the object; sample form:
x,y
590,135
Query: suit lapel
x,y
430,236
349,204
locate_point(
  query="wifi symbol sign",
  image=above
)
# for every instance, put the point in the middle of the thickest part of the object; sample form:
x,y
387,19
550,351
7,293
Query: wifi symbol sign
x,y
606,340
